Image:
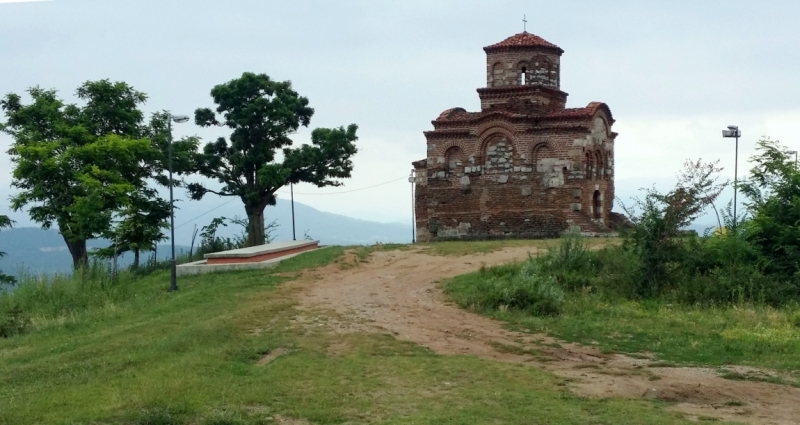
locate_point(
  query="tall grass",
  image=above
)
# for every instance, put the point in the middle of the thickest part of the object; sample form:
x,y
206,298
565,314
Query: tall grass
x,y
38,299
711,271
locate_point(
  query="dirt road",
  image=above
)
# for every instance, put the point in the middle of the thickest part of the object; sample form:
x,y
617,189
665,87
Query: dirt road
x,y
397,292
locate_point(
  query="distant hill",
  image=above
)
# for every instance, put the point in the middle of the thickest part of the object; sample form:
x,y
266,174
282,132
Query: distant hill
x,y
38,251
43,251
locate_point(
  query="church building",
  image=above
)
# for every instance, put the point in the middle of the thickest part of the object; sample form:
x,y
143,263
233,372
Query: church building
x,y
525,166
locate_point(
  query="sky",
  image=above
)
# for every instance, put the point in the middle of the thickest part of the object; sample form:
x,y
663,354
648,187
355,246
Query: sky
x,y
673,72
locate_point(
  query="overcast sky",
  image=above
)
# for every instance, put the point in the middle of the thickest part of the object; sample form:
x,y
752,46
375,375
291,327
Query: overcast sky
x,y
674,73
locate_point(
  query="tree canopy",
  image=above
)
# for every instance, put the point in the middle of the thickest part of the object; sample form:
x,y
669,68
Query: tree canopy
x,y
773,190
258,159
79,166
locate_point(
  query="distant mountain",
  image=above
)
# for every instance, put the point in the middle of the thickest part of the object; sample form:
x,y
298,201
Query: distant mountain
x,y
328,228
35,250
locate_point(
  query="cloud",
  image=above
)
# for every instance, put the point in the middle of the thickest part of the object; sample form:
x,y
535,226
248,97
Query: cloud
x,y
21,1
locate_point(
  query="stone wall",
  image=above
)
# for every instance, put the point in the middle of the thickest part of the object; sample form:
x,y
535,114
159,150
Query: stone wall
x,y
514,184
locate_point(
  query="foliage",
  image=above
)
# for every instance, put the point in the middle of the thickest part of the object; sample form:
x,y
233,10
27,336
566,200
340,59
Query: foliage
x,y
79,166
211,242
658,220
13,321
524,288
773,190
795,319
5,222
261,114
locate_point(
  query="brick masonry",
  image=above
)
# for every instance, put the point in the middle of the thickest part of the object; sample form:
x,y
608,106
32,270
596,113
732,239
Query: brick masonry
x,y
525,166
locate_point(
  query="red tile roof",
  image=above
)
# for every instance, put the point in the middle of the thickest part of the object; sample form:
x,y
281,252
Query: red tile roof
x,y
521,40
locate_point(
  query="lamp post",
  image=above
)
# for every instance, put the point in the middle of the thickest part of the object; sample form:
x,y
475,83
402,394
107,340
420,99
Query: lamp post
x,y
173,283
733,131
795,157
413,211
291,191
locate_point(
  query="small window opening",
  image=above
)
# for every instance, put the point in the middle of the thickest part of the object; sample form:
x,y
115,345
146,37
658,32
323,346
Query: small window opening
x,y
597,205
523,76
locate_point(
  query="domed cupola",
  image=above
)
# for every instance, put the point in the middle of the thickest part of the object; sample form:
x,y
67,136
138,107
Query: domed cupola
x,y
523,59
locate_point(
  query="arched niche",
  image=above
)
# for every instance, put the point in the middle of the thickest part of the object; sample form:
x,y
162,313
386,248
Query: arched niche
x,y
454,159
497,74
498,153
541,153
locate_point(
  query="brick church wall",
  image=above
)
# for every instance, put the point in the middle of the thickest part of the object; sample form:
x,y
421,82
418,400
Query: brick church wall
x,y
525,166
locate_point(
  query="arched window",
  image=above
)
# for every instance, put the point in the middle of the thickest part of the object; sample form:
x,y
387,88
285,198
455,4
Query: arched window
x,y
597,205
453,158
599,166
523,75
589,168
497,75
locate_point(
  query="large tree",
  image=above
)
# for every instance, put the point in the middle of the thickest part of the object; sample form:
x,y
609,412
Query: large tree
x,y
773,190
258,159
5,222
79,166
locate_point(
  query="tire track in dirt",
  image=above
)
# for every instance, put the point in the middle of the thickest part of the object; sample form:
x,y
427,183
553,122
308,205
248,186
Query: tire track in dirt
x,y
397,292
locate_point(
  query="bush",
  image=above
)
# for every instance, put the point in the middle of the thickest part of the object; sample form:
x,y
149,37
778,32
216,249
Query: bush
x,y
523,288
795,319
14,321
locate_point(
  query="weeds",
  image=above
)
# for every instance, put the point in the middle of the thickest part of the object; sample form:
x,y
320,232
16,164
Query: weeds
x,y
13,321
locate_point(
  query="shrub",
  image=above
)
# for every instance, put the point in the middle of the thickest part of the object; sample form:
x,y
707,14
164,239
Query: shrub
x,y
14,321
795,319
528,289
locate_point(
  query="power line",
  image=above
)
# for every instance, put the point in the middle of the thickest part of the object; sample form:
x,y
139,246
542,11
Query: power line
x,y
207,212
296,193
347,191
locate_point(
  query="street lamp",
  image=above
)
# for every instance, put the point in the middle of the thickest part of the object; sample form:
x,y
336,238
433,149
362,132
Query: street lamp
x,y
413,211
733,131
291,190
795,157
173,284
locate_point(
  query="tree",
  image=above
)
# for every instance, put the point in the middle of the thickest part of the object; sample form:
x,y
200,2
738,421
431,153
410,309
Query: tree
x,y
77,166
659,218
141,223
773,192
5,222
262,113
140,227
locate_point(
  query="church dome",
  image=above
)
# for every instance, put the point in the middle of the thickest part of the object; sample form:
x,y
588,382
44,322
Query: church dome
x,y
523,40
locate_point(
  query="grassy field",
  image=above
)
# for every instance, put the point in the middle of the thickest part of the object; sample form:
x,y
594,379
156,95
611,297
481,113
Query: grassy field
x,y
745,334
196,357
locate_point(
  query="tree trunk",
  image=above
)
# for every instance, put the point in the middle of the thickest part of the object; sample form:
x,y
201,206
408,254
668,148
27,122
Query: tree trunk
x,y
80,257
136,259
255,225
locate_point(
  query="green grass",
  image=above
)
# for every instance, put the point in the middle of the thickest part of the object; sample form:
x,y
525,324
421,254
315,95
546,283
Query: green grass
x,y
735,335
191,357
